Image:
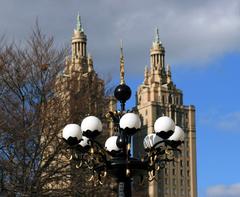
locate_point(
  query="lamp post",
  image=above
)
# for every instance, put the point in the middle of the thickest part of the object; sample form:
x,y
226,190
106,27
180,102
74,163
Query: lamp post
x,y
115,158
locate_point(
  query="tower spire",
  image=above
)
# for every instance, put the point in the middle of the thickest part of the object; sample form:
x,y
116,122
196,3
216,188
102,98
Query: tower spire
x,y
122,81
157,39
79,24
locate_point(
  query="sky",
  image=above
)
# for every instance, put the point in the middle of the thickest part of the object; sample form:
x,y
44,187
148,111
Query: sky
x,y
202,43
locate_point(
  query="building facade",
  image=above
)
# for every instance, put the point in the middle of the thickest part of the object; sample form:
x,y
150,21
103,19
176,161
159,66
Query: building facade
x,y
158,96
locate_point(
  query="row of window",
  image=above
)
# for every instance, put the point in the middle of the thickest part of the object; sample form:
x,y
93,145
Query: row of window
x,y
174,172
175,193
170,99
174,164
174,182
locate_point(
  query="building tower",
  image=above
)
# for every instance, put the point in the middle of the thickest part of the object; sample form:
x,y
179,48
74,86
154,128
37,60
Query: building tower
x,y
158,96
79,76
80,93
79,46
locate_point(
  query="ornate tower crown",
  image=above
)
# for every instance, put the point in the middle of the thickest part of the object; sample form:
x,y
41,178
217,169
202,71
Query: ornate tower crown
x,y
157,52
79,44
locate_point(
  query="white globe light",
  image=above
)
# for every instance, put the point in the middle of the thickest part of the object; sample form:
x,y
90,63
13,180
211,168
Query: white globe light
x,y
150,140
84,142
130,122
72,133
111,144
164,127
164,123
178,134
91,126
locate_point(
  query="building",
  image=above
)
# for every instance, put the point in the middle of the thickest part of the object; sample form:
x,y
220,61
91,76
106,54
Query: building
x,y
79,76
78,92
157,96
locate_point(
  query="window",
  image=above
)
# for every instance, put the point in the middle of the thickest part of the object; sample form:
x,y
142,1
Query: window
x,y
170,99
181,172
173,171
182,192
174,181
181,163
174,192
181,182
166,181
166,171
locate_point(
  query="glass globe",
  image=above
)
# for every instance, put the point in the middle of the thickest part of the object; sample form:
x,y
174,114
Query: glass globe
x,y
164,127
91,126
178,134
111,146
130,122
150,141
72,134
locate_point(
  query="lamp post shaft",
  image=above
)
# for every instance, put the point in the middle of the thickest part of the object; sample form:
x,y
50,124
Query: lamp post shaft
x,y
122,106
124,188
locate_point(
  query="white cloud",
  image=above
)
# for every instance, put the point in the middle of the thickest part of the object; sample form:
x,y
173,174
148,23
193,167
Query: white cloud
x,y
230,121
193,32
224,190
225,122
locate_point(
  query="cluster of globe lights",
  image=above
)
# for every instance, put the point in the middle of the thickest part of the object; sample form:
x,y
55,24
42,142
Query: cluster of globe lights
x,y
164,127
115,157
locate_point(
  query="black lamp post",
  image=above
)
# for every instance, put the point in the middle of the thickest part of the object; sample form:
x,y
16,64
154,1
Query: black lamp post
x,y
115,159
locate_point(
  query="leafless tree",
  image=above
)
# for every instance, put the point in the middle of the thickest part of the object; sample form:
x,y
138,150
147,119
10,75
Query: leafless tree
x,y
33,158
27,75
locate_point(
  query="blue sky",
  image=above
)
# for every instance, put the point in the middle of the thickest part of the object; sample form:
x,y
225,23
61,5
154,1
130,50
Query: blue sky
x,y
215,93
202,44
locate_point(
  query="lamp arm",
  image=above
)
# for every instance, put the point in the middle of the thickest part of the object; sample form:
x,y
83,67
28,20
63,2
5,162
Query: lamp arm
x,y
160,142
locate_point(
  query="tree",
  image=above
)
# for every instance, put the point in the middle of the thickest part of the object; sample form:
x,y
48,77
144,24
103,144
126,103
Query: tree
x,y
33,110
27,76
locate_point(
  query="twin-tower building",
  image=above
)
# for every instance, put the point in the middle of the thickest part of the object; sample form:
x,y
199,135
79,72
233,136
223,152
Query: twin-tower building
x,y
156,96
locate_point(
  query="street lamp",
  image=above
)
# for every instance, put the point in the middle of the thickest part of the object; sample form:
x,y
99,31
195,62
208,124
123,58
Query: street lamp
x,y
115,158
